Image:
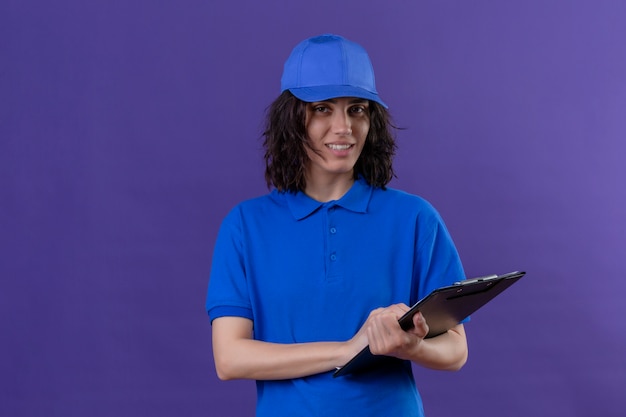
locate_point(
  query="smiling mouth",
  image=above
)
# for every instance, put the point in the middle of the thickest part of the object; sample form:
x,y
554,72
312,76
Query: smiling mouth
x,y
336,147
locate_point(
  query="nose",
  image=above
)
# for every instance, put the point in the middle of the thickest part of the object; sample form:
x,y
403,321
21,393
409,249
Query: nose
x,y
341,124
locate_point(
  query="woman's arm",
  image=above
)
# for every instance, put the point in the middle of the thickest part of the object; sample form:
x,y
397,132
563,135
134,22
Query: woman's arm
x,y
238,356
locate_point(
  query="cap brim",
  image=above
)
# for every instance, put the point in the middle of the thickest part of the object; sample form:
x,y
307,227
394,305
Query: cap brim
x,y
326,92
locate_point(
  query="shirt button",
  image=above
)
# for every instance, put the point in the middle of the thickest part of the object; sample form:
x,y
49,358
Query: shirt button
x,y
333,257
333,230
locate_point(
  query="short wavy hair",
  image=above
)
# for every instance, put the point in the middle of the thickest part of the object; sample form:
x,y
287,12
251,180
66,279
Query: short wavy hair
x,y
286,141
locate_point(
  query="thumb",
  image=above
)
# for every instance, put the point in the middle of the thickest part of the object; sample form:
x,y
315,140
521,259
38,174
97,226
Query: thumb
x,y
420,326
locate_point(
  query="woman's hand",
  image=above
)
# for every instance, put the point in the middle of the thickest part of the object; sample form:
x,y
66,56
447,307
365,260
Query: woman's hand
x,y
385,337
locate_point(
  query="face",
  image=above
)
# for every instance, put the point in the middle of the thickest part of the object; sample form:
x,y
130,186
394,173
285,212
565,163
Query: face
x,y
337,129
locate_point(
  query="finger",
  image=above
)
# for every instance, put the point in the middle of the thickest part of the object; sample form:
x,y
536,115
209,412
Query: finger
x,y
403,307
376,311
398,310
420,327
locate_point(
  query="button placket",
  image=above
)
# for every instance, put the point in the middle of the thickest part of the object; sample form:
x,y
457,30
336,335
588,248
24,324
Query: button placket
x,y
333,256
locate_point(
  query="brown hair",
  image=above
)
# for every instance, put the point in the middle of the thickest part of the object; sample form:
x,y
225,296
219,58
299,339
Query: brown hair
x,y
286,138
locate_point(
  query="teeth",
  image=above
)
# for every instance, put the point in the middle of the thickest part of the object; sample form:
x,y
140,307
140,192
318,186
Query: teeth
x,y
338,147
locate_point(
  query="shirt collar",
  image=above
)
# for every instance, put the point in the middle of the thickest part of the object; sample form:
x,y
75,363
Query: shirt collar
x,y
356,199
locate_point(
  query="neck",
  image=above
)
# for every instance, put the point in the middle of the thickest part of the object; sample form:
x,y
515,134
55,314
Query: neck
x,y
329,189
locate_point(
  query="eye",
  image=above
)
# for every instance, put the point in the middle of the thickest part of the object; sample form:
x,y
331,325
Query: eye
x,y
320,108
358,109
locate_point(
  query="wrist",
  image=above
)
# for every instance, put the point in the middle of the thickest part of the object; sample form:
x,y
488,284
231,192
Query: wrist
x,y
346,351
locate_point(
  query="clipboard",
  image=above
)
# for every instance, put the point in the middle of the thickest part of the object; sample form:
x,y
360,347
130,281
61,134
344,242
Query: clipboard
x,y
443,309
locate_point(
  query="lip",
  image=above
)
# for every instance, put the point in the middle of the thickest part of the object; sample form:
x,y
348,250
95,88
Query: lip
x,y
338,146
340,149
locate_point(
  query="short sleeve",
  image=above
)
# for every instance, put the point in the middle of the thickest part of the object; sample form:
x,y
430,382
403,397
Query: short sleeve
x,y
228,288
437,262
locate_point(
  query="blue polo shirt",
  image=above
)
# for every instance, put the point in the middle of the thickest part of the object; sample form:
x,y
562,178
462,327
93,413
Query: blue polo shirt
x,y
305,271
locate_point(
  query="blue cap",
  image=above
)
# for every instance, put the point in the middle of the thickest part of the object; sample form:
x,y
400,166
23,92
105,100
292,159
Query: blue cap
x,y
329,66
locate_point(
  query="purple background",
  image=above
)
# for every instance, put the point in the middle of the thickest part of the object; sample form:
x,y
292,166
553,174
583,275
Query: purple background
x,y
129,128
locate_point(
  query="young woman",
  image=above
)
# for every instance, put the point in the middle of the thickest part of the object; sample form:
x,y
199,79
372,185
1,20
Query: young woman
x,y
304,277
